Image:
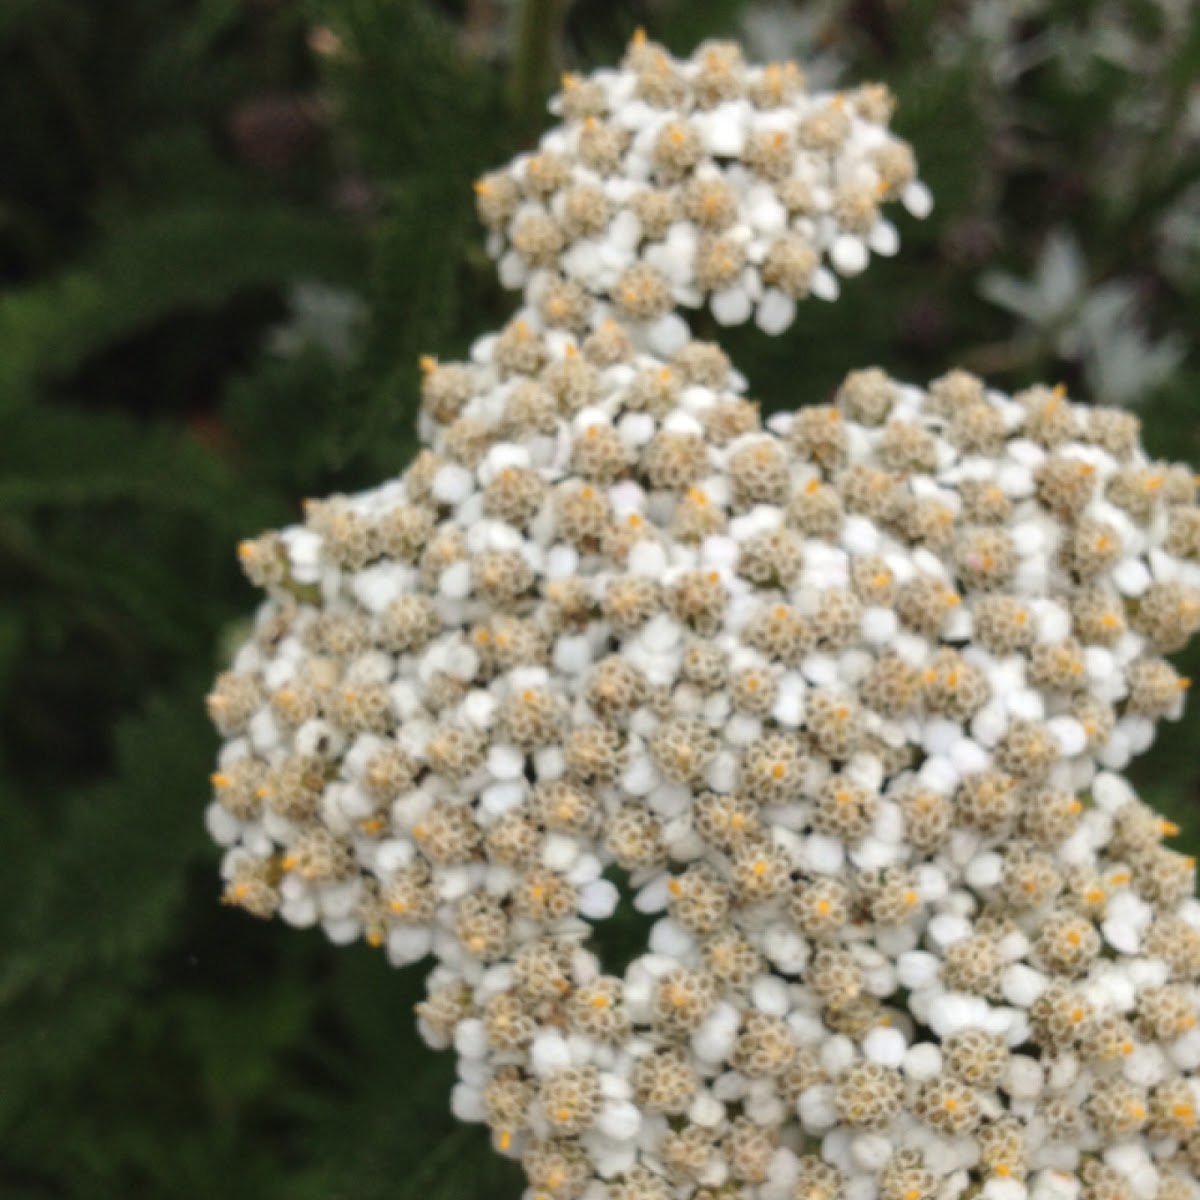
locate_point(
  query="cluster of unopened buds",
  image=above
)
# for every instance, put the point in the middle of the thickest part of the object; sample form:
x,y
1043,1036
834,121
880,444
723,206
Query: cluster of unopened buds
x,y
839,700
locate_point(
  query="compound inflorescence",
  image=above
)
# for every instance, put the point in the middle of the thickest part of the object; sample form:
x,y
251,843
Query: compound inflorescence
x,y
841,699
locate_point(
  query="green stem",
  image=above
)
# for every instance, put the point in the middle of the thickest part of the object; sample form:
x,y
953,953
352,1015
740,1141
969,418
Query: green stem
x,y
534,58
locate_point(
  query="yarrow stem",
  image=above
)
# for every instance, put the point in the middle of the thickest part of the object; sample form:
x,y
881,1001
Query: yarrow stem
x,y
537,34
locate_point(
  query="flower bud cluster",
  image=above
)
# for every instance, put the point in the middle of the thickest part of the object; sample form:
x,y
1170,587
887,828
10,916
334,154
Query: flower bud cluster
x,y
839,701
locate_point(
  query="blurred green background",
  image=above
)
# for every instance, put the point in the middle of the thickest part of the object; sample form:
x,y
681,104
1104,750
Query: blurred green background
x,y
227,230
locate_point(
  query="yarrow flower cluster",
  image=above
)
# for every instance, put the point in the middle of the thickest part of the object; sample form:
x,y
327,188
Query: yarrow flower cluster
x,y
671,182
839,699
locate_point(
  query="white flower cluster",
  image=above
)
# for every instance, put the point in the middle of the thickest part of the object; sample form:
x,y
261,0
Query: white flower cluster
x,y
838,702
675,182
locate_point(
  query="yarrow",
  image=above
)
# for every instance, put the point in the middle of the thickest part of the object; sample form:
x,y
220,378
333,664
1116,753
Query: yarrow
x,y
676,183
840,699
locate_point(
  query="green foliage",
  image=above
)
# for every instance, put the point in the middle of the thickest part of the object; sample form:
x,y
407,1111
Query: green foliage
x,y
180,183
160,263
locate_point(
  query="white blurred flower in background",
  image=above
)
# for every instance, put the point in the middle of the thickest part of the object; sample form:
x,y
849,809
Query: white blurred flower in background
x,y
777,29
1179,235
1095,326
327,318
1047,301
1121,362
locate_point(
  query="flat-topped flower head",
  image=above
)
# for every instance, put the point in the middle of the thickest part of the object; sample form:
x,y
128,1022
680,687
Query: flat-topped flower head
x,y
681,183
838,699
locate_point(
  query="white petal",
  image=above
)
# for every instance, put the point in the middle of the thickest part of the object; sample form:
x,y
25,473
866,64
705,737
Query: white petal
x,y
849,254
731,306
598,899
776,311
883,238
824,284
918,199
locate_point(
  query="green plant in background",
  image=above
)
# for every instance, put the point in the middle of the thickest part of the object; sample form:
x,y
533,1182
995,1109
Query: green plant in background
x,y
197,205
